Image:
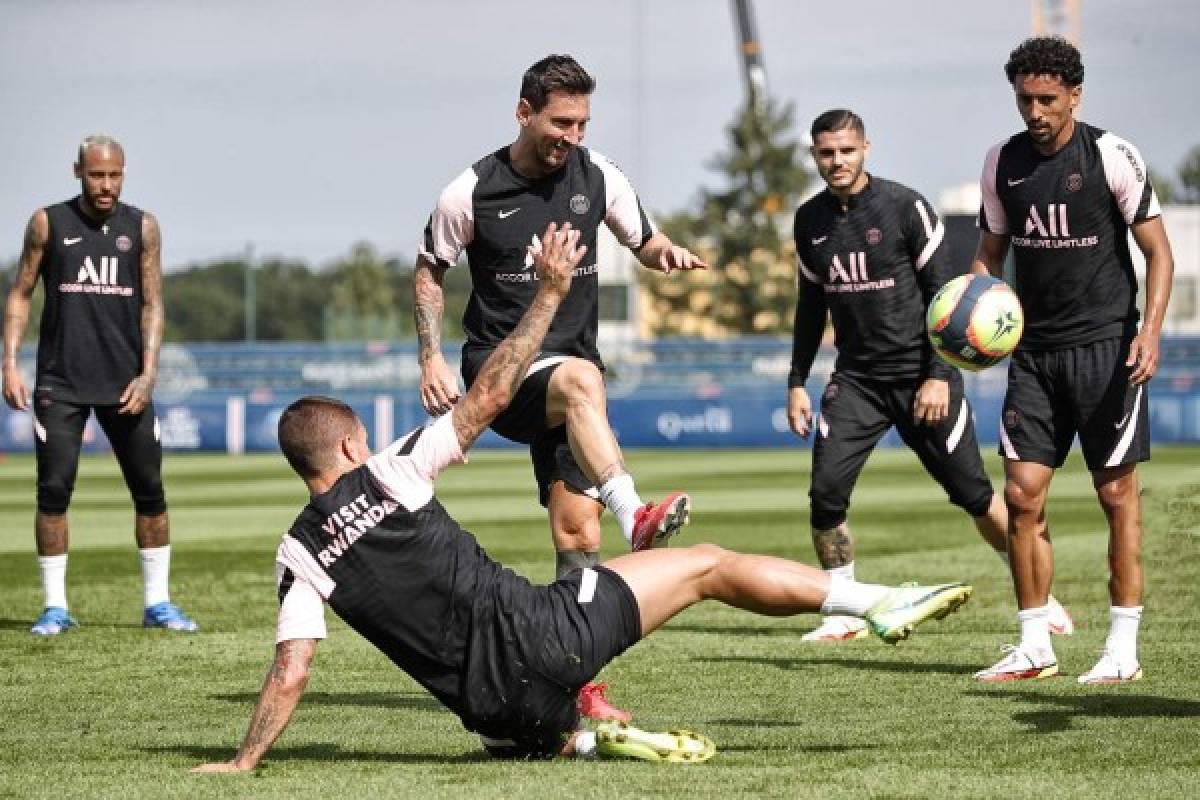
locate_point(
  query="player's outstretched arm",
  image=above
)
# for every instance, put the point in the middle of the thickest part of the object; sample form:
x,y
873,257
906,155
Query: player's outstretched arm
x,y
280,695
506,367
660,253
439,384
138,393
990,254
16,308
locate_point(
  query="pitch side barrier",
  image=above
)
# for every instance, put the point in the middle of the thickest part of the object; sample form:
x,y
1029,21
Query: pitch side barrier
x,y
677,393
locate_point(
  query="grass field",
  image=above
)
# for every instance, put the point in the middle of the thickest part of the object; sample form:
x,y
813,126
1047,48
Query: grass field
x,y
116,711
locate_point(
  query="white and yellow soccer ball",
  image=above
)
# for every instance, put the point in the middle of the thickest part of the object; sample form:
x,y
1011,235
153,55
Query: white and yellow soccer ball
x,y
975,321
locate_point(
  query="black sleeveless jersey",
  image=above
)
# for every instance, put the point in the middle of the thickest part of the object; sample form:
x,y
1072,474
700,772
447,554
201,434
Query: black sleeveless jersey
x,y
1068,217
874,266
90,342
496,215
388,559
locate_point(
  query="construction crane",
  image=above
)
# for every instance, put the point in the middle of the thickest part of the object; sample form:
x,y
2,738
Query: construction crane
x,y
1058,18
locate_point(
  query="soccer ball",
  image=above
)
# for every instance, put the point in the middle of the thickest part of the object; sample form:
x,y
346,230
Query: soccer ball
x,y
975,321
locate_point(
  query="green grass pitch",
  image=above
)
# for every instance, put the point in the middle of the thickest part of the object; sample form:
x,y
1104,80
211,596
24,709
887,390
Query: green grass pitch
x,y
113,710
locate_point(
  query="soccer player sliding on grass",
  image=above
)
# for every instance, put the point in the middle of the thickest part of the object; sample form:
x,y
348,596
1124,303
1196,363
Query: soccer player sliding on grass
x,y
508,657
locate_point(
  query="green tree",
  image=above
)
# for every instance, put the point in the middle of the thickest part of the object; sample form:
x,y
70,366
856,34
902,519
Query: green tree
x,y
744,230
1189,176
363,297
204,302
1162,187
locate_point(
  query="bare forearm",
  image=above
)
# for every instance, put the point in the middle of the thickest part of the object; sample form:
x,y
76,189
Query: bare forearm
x,y
428,308
1159,274
152,333
281,694
503,371
16,315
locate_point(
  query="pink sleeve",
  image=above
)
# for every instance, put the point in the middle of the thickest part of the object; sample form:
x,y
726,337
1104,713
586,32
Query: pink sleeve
x,y
451,227
408,467
991,214
1128,179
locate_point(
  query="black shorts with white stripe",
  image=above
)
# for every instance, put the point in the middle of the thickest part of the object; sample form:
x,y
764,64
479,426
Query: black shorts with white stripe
x,y
553,640
1055,394
857,412
524,421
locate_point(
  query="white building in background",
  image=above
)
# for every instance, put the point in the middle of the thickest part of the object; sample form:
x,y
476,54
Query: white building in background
x,y
618,274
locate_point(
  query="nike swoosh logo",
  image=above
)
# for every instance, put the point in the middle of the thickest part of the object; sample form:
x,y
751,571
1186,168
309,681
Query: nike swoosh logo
x,y
820,239
68,242
506,214
1011,182
1124,419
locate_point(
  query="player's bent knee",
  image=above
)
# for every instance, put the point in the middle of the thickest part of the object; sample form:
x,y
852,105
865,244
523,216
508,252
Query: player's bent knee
x,y
1018,500
54,498
580,379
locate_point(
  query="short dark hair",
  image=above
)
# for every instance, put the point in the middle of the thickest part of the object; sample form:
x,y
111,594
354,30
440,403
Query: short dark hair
x,y
310,428
554,73
1046,55
837,119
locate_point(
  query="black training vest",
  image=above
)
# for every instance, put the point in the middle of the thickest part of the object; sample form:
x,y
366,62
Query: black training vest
x,y
90,344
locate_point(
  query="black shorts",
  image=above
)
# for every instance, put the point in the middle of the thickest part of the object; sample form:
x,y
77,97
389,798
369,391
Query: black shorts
x,y
552,641
1054,395
856,413
58,435
524,421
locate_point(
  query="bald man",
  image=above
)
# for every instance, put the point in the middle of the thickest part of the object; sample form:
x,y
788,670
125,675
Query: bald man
x,y
102,324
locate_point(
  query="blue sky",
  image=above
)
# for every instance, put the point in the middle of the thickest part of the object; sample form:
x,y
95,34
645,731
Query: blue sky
x,y
302,126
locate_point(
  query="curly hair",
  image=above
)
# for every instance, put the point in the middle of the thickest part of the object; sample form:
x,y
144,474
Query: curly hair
x,y
1046,55
554,73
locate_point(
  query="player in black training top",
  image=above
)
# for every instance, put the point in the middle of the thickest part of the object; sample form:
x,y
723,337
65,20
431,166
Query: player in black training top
x,y
870,255
1065,195
102,324
507,657
495,211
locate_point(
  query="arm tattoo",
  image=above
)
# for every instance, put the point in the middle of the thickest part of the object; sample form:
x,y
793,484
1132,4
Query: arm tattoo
x,y
834,546
428,307
503,371
276,702
152,305
16,310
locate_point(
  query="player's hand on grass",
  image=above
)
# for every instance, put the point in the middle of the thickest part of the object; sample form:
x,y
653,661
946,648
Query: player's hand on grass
x,y
15,392
557,258
932,402
136,395
439,386
799,411
219,767
1143,357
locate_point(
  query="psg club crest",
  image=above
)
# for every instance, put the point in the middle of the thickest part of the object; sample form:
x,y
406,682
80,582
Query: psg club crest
x,y
124,243
580,204
1010,419
874,236
1074,182
831,393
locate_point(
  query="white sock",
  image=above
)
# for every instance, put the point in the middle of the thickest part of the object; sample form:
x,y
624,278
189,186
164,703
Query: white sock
x,y
619,497
846,571
1035,628
585,745
156,569
848,596
1122,633
54,580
